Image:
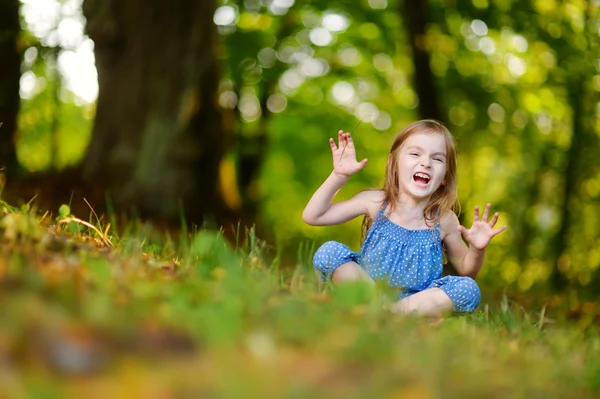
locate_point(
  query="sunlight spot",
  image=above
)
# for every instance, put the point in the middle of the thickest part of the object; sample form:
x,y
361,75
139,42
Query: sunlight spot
x,y
300,56
383,63
303,38
366,112
496,112
515,65
225,16
286,53
228,100
283,3
71,7
520,118
349,56
30,55
314,67
79,66
383,121
487,45
544,123
479,27
465,29
343,92
321,36
249,107
63,24
290,81
267,57
378,4
280,7
310,19
335,22
548,59
28,85
369,30
41,16
520,43
276,103
367,89
472,43
70,32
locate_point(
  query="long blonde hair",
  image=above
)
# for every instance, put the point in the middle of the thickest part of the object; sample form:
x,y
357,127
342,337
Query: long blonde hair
x,y
445,198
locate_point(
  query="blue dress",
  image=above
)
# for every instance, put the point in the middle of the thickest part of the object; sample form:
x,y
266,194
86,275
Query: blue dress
x,y
411,260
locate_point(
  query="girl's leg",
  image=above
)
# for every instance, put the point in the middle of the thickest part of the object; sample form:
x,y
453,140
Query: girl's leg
x,y
432,302
462,291
350,271
339,263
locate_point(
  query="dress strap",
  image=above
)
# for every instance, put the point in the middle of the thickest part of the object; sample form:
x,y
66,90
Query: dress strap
x,y
380,212
382,209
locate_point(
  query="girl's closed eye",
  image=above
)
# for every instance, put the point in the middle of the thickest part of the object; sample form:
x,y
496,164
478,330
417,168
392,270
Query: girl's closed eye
x,y
438,159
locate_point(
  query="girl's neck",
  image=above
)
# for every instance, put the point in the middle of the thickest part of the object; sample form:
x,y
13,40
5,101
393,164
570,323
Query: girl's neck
x,y
410,211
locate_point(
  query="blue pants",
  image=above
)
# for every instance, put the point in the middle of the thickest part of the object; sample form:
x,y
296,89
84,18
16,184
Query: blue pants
x,y
462,291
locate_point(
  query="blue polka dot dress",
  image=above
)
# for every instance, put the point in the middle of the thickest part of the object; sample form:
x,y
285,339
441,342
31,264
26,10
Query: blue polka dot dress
x,y
411,260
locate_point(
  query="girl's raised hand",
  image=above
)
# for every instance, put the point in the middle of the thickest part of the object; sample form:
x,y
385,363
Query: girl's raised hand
x,y
481,232
344,155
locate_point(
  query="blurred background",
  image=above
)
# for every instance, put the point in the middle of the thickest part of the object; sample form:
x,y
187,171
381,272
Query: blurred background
x,y
219,112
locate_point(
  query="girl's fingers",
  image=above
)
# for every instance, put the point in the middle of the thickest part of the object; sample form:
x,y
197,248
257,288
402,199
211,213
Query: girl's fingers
x,y
486,212
476,214
462,230
492,222
498,231
332,144
349,139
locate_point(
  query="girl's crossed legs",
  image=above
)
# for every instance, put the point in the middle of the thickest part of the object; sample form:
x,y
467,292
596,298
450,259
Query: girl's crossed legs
x,y
432,302
443,295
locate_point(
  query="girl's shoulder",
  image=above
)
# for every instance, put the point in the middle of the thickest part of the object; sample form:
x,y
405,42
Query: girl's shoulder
x,y
373,201
448,223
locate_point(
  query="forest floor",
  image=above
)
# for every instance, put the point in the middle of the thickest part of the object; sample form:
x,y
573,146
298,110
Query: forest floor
x,y
86,312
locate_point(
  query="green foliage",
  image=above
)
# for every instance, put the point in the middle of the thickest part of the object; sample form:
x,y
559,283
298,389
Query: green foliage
x,y
212,319
64,210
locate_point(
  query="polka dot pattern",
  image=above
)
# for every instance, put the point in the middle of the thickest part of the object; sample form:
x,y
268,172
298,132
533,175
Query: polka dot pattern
x,y
411,260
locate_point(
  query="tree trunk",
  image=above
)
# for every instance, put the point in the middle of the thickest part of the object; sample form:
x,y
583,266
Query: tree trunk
x,y
571,181
10,73
158,139
584,142
415,21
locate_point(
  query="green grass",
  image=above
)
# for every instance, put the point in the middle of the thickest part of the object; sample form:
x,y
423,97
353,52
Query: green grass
x,y
195,316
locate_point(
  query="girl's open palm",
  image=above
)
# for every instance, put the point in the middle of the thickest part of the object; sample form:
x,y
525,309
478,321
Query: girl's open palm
x,y
344,155
481,232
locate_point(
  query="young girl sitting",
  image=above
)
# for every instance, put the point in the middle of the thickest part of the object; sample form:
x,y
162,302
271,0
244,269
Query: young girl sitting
x,y
411,220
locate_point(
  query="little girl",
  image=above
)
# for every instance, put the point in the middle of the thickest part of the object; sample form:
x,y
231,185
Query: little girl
x,y
411,220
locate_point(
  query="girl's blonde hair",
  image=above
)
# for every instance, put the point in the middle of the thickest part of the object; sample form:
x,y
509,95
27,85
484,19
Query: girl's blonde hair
x,y
445,198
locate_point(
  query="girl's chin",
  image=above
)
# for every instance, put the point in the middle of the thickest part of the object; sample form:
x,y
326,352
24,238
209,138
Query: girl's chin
x,y
419,193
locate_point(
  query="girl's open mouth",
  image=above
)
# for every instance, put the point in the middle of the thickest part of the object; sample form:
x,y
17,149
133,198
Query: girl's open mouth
x,y
421,179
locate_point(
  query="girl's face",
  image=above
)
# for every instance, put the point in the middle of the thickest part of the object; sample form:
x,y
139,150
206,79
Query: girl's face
x,y
422,164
